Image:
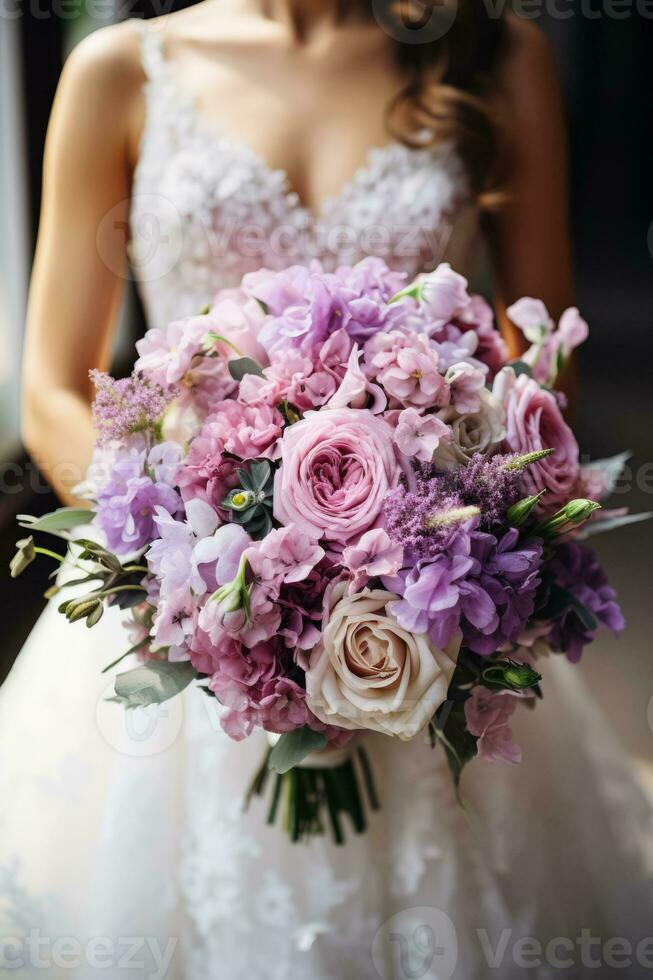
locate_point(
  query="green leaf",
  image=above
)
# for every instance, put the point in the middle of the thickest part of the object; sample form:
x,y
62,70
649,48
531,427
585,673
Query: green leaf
x,y
93,551
587,618
259,474
58,520
294,746
240,366
560,601
521,367
152,683
450,728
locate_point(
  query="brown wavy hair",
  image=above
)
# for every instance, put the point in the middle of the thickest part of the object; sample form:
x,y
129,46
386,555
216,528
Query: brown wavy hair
x,y
449,95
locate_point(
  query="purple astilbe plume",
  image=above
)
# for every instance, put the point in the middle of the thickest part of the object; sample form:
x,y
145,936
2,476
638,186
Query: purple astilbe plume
x,y
487,484
480,584
576,569
410,517
129,405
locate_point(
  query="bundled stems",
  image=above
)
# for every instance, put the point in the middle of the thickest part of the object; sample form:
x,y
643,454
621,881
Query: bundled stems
x,y
309,800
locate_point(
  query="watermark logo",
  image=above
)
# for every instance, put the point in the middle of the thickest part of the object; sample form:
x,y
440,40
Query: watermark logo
x,y
139,732
417,21
416,944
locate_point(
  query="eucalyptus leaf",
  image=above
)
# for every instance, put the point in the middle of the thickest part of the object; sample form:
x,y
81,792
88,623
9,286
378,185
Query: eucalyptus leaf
x,y
610,523
521,367
152,683
611,467
450,728
586,616
560,601
128,599
259,474
95,552
58,520
240,366
294,746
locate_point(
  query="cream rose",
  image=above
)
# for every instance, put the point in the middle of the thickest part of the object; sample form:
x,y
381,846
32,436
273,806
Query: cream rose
x,y
369,673
472,432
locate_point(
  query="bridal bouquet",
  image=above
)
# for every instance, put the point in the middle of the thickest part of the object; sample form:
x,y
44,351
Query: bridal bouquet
x,y
332,502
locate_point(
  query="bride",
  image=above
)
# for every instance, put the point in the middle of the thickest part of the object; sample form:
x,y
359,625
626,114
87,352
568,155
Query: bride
x,y
229,136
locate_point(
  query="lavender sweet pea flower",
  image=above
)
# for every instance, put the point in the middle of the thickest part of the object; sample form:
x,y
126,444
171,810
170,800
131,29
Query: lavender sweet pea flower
x,y
166,355
164,458
484,586
443,292
576,568
127,505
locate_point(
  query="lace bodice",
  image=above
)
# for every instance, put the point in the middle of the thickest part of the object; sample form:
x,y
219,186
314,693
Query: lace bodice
x,y
206,209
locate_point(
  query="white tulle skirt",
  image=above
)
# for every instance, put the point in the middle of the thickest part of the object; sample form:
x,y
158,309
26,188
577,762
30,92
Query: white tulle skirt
x,y
125,851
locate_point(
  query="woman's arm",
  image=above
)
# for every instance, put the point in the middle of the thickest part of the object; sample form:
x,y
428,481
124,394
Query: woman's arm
x,y
78,274
529,235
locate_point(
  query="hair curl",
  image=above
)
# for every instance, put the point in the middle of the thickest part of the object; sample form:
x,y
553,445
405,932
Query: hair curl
x,y
449,95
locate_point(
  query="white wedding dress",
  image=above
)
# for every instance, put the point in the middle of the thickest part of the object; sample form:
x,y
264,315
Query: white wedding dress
x,y
124,848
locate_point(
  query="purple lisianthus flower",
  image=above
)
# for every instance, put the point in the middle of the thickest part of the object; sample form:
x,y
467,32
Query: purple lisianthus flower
x,y
576,569
127,504
479,584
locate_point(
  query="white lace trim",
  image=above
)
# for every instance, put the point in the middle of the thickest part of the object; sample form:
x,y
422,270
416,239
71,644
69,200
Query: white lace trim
x,y
206,209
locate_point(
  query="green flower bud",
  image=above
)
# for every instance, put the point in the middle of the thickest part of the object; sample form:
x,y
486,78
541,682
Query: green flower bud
x,y
518,514
571,515
95,615
234,595
25,555
511,675
81,608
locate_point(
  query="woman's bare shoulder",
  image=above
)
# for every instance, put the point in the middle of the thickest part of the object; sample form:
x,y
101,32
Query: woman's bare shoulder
x,y
99,98
528,56
109,58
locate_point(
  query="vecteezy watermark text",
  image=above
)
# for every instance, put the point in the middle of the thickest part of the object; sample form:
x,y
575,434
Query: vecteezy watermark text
x,y
36,951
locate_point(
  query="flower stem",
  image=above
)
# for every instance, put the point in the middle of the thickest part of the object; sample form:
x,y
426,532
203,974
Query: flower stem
x,y
50,554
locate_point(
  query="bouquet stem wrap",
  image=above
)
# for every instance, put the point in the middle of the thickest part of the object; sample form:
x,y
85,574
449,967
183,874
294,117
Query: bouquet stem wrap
x,y
313,798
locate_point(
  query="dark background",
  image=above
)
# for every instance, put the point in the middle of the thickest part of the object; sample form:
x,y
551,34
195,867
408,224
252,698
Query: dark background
x,y
606,66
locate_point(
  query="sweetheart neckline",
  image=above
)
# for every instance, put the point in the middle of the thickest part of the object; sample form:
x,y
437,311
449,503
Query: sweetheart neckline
x,y
185,107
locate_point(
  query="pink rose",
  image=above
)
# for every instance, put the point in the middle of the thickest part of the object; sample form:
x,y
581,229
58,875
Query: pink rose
x,y
336,467
533,421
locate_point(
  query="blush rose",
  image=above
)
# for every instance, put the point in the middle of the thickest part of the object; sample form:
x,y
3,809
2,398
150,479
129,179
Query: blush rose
x,y
336,467
369,673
